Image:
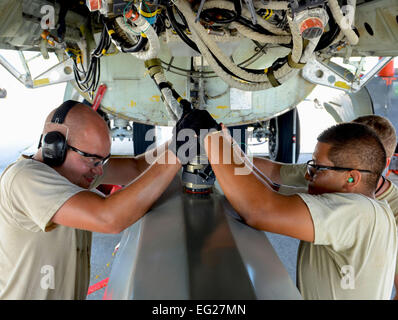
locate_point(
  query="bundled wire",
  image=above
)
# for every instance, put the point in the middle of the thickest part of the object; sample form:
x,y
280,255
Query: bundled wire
x,y
191,43
245,79
88,81
178,30
124,44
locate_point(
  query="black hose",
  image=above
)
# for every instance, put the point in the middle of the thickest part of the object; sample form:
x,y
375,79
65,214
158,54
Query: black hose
x,y
137,47
228,16
257,28
238,7
177,29
91,78
328,37
191,44
121,43
188,41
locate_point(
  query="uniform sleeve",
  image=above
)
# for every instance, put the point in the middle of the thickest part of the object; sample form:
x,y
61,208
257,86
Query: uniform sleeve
x,y
339,218
289,190
36,194
391,196
293,175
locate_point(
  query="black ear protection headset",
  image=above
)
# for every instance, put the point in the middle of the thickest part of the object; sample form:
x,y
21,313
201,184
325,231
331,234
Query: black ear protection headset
x,y
53,144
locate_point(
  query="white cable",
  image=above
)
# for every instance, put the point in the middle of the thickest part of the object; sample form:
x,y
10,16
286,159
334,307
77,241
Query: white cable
x,y
285,72
207,45
274,5
213,47
245,13
142,25
309,50
251,34
344,25
227,78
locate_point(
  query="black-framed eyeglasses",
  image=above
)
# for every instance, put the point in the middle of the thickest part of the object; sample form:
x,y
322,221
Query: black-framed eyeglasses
x,y
312,168
102,161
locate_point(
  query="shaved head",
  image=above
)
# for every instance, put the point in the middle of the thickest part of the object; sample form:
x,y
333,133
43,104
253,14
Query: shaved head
x,y
81,123
88,139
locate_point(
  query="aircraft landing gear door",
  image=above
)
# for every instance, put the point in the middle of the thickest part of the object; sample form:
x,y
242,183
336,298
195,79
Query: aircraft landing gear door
x,y
284,137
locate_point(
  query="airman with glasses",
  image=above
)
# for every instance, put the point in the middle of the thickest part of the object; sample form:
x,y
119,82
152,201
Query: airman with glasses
x,y
339,222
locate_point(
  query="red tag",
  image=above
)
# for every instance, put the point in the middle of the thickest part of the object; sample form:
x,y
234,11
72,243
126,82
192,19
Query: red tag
x,y
94,5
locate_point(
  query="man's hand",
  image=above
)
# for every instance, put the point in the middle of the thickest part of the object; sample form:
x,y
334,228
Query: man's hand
x,y
189,126
196,120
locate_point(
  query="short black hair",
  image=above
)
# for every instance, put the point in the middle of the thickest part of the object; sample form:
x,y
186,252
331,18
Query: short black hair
x,y
384,129
355,145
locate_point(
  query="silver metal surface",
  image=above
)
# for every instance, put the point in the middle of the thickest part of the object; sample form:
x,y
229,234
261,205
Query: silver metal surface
x,y
337,77
23,78
320,73
369,75
190,247
61,72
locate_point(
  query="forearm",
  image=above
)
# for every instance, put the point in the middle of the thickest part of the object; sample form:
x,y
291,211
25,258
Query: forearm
x,y
144,160
88,211
254,200
132,202
250,163
269,168
236,175
121,171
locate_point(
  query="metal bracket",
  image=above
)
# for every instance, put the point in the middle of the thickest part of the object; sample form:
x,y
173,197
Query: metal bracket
x,y
252,10
338,77
202,2
61,72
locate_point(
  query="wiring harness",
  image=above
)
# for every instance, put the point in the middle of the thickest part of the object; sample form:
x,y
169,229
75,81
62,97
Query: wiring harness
x,y
298,25
88,80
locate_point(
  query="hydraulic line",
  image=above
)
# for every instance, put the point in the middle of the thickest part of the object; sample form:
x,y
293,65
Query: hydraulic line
x,y
342,21
330,36
230,80
143,27
137,47
88,81
274,5
260,37
181,34
210,43
213,48
246,14
190,43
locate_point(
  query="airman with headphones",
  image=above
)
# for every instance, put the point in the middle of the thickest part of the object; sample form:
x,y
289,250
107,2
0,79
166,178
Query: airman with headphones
x,y
47,207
